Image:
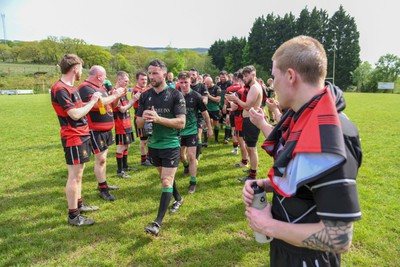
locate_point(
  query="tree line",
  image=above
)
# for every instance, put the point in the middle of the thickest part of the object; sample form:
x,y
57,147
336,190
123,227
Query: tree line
x,y
338,34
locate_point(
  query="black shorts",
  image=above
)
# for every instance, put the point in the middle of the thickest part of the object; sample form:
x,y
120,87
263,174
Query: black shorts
x,y
101,140
238,133
189,140
139,132
78,154
284,254
168,157
250,132
215,115
124,139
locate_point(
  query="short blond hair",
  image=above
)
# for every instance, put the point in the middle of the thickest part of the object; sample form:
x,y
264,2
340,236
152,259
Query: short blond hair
x,y
304,54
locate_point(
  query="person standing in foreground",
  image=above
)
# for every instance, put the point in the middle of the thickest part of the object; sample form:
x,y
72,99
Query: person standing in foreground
x,y
316,154
165,108
75,139
189,137
100,125
123,124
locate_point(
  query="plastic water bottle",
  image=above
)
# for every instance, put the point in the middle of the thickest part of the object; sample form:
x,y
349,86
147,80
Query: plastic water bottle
x,y
260,202
148,128
101,107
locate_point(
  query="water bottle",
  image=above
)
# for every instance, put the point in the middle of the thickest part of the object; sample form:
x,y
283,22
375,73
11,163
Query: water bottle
x,y
260,202
148,128
101,107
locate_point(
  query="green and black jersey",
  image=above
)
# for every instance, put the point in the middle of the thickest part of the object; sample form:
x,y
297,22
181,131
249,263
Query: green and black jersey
x,y
168,104
200,88
194,105
214,91
223,87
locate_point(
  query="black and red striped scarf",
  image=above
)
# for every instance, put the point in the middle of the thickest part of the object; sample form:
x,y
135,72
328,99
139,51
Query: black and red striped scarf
x,y
301,132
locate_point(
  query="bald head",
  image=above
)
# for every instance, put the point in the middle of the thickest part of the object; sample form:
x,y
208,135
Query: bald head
x,y
208,81
96,70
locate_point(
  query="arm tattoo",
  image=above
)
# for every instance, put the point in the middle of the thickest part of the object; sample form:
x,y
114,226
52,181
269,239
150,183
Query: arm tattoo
x,y
334,237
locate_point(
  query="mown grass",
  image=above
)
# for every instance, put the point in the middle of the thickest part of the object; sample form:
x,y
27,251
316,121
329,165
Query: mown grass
x,y
209,230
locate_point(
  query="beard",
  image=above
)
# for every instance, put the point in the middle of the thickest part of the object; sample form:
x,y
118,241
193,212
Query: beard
x,y
155,83
193,80
78,76
248,83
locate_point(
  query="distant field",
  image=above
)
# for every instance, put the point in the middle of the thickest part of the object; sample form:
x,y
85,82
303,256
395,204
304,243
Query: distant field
x,y
209,230
14,69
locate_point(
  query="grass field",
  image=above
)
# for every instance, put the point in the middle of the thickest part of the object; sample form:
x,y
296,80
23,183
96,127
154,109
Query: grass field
x,y
209,230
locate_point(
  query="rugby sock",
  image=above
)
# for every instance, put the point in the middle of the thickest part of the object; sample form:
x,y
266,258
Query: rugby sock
x,y
119,157
245,161
125,159
235,144
228,129
175,192
185,164
253,174
198,149
80,202
216,132
72,213
193,180
165,199
205,136
143,158
103,186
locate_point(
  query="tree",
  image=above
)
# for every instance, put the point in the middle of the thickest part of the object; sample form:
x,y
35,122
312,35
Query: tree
x,y
94,55
234,54
5,52
119,62
387,69
346,50
217,54
51,50
361,76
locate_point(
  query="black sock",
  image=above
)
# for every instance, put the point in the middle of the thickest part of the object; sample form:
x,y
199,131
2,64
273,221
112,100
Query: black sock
x,y
198,150
103,186
226,137
164,203
125,160
80,202
205,136
72,213
176,193
216,132
119,157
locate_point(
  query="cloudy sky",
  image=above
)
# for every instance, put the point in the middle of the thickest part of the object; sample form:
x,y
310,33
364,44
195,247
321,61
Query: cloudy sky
x,y
185,24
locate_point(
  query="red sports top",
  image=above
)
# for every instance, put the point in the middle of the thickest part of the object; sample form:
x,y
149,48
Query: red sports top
x,y
123,121
64,98
97,121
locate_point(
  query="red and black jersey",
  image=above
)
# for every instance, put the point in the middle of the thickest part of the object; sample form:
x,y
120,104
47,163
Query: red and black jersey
x,y
123,121
140,90
239,112
64,98
97,121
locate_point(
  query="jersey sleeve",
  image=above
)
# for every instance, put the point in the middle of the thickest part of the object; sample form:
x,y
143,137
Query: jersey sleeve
x,y
140,109
64,100
179,103
201,106
336,195
86,93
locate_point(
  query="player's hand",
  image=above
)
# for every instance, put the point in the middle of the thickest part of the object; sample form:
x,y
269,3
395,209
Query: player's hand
x,y
257,117
120,92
